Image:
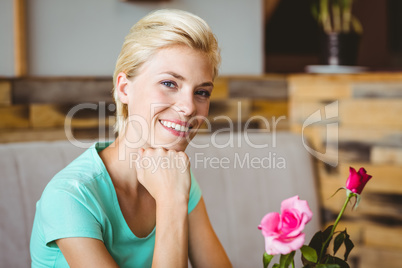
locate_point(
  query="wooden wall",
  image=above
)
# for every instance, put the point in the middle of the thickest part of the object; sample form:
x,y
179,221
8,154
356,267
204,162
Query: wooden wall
x,y
37,109
369,117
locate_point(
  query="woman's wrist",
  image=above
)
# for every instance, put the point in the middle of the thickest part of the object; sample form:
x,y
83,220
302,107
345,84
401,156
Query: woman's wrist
x,y
178,202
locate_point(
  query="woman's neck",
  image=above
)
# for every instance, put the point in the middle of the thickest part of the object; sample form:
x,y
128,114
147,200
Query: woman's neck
x,y
120,162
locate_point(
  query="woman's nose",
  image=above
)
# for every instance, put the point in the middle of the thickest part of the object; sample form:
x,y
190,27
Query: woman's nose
x,y
185,104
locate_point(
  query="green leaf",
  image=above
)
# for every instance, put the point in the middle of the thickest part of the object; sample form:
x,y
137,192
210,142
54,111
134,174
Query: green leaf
x,y
339,241
310,265
275,265
309,253
348,245
266,259
327,232
286,260
342,188
316,241
325,236
340,262
328,266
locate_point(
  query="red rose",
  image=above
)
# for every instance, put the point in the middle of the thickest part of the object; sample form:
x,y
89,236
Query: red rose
x,y
357,180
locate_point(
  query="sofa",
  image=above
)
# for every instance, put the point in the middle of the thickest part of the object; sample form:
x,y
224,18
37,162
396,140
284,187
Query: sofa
x,y
242,175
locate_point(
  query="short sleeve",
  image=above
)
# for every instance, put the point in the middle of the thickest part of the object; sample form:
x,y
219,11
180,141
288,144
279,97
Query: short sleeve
x,y
195,194
66,209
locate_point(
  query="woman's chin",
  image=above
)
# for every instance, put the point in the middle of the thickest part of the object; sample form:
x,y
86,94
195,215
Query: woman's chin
x,y
177,146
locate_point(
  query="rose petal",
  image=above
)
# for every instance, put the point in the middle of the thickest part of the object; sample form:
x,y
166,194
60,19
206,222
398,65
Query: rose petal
x,y
289,203
274,246
290,221
269,224
357,180
300,205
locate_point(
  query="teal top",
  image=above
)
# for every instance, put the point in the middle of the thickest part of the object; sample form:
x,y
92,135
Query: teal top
x,y
80,201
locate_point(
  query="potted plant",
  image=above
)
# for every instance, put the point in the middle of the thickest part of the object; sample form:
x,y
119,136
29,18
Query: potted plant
x,y
340,31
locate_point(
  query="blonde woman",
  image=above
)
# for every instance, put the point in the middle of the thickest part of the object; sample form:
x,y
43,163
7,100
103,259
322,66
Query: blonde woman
x,y
134,202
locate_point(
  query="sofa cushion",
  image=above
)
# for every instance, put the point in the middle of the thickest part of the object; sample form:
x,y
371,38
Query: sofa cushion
x,y
240,184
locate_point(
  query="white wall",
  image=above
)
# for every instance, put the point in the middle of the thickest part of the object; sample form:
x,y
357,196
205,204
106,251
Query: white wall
x,y
6,38
84,37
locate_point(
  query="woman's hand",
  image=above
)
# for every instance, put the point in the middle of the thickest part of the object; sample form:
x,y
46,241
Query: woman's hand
x,y
165,174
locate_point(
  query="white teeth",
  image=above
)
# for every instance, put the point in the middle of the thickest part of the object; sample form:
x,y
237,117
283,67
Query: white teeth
x,y
175,126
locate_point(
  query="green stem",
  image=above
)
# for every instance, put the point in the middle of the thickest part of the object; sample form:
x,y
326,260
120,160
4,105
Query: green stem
x,y
293,263
335,224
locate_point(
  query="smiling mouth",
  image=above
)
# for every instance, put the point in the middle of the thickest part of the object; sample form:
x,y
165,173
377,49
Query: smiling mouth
x,y
175,126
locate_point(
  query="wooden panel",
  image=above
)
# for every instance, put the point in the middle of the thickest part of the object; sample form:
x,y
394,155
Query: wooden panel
x,y
335,78
5,93
20,38
386,178
380,112
235,110
375,257
94,134
14,117
350,134
27,135
275,113
265,87
377,90
373,206
62,90
319,91
362,112
386,155
385,237
300,111
354,143
82,116
336,87
221,91
268,108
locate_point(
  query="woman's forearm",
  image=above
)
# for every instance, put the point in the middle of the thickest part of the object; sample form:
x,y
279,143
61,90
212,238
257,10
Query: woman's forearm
x,y
171,239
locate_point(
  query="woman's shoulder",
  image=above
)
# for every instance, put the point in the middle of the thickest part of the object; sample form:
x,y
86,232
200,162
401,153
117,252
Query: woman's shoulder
x,y
86,171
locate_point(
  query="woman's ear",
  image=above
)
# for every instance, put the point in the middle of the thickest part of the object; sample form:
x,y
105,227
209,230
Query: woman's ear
x,y
122,87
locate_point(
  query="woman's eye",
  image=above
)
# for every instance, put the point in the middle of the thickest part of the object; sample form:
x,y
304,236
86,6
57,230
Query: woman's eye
x,y
203,93
169,84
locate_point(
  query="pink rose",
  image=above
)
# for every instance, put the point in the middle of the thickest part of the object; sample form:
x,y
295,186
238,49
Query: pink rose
x,y
283,233
357,181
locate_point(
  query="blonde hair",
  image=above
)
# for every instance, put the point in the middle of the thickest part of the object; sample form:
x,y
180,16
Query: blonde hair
x,y
157,30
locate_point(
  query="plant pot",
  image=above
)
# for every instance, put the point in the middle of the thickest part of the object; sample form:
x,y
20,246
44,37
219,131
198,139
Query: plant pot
x,y
339,48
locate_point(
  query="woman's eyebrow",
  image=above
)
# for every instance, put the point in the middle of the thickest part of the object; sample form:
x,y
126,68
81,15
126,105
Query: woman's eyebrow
x,y
178,76
207,84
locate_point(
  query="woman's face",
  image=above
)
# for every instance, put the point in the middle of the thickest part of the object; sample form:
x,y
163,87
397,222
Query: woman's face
x,y
169,98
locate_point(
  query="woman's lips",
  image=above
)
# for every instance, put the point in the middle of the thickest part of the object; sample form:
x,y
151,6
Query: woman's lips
x,y
177,128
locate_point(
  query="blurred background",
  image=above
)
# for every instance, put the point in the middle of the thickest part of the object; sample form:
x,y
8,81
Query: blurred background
x,y
55,55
